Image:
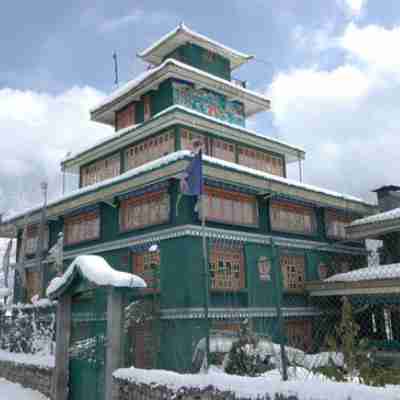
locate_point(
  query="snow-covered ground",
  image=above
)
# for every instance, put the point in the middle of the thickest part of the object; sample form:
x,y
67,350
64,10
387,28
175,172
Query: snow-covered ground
x,y
302,383
40,360
14,391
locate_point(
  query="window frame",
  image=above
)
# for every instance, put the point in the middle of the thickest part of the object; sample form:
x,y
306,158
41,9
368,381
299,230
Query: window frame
x,y
285,278
283,205
138,259
84,216
332,216
143,200
214,254
235,197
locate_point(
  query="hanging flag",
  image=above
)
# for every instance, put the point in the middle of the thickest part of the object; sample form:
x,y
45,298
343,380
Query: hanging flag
x,y
6,263
191,180
191,183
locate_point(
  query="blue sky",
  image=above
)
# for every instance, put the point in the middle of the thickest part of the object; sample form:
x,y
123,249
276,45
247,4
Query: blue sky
x,y
330,67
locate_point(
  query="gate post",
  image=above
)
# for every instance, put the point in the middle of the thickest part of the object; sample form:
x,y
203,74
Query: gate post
x,y
60,379
114,335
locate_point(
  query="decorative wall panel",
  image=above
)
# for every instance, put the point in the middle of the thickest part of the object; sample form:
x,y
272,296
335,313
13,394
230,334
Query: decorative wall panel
x,y
207,102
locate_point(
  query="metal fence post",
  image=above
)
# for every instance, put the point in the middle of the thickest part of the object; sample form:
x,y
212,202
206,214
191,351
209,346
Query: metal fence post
x,y
278,303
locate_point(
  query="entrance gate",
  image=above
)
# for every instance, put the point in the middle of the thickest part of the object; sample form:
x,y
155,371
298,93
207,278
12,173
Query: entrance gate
x,y
87,348
89,345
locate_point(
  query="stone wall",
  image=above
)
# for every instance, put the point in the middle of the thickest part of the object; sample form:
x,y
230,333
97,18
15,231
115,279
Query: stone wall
x,y
124,390
30,376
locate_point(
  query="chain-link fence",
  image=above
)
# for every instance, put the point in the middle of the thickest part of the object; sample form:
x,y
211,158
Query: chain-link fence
x,y
321,311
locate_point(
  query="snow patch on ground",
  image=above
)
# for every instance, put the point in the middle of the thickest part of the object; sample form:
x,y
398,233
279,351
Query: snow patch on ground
x,y
96,270
10,390
304,384
389,271
39,360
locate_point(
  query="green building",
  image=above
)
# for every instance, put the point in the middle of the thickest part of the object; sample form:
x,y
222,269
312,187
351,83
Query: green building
x,y
267,235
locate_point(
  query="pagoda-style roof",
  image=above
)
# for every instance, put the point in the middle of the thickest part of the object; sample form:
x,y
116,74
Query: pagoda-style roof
x,y
180,115
131,91
181,35
175,163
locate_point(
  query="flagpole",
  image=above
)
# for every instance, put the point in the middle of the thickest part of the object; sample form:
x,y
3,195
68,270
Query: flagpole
x,y
206,280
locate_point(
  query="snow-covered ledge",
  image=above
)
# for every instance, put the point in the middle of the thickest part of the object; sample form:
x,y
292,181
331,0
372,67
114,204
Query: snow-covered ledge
x,y
132,383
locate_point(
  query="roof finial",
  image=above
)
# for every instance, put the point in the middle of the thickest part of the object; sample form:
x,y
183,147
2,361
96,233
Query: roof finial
x,y
181,25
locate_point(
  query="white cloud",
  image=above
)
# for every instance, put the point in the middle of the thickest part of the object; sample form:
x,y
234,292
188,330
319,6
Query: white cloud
x,y
373,45
353,8
37,130
346,117
135,16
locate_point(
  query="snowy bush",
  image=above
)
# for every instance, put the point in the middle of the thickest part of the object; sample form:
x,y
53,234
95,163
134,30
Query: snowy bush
x,y
28,329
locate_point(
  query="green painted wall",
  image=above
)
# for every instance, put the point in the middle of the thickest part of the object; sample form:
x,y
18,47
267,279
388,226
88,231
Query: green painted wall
x,y
196,56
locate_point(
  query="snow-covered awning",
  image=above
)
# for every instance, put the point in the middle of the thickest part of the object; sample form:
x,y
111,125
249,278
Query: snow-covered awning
x,y
181,35
4,292
96,270
389,271
375,225
377,280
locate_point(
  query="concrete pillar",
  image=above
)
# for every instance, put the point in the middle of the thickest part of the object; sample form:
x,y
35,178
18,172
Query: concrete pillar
x,y
114,353
60,379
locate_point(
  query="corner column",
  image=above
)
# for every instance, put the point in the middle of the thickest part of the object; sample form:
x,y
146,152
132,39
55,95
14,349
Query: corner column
x,y
60,380
114,336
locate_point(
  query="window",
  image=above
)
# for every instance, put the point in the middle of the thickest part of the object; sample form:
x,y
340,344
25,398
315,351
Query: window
x,y
150,209
292,218
293,271
32,283
189,138
125,117
149,150
299,334
100,170
261,160
226,268
230,207
223,150
82,227
147,107
147,266
32,238
335,224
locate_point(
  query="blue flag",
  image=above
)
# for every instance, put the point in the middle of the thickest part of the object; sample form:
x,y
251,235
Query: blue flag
x,y
191,183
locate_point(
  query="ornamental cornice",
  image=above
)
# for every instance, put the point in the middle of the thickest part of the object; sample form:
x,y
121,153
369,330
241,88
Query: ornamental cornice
x,y
176,115
238,313
214,234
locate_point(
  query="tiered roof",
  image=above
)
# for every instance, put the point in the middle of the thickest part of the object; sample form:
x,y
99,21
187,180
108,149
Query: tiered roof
x,y
181,35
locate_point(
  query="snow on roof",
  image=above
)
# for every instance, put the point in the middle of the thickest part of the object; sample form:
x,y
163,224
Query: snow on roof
x,y
44,361
381,217
303,386
236,57
179,155
126,175
4,292
389,271
96,270
287,181
123,131
132,84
